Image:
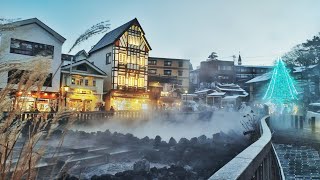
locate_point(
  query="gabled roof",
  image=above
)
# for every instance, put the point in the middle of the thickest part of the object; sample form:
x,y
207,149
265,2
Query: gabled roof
x,y
115,34
66,67
263,77
41,24
82,52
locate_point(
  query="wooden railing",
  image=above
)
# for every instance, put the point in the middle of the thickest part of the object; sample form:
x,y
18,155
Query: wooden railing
x,y
258,161
89,115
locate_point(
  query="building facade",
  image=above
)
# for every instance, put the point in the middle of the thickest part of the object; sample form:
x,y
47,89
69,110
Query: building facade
x,y
84,82
123,55
217,71
172,75
28,39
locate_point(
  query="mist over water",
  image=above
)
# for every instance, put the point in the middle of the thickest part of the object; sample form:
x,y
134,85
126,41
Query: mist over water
x,y
176,125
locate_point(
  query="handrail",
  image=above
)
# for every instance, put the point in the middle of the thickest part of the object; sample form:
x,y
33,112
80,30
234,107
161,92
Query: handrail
x,y
247,164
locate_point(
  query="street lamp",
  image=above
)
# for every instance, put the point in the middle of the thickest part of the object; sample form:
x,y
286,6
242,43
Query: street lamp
x,y
186,95
66,89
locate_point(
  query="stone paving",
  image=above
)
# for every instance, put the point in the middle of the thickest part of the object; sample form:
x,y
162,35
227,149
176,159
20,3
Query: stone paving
x,y
298,162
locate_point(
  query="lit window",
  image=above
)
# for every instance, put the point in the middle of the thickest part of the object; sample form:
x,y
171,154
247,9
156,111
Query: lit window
x,y
140,82
86,82
122,58
73,80
152,71
141,61
167,63
167,72
121,80
131,81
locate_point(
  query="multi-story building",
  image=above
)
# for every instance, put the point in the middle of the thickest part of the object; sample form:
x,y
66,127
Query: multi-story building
x,y
172,75
216,71
194,80
123,55
30,38
84,82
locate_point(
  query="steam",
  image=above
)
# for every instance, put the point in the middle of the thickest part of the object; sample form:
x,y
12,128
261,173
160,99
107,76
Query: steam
x,y
175,125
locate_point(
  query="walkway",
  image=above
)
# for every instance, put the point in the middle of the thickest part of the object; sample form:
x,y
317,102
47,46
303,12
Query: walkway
x,y
297,147
298,162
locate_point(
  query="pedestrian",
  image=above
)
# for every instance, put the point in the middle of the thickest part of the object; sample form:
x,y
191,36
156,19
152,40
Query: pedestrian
x,y
111,110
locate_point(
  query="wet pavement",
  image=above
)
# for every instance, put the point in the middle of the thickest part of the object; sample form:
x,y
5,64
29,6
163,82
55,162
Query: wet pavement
x,y
297,145
298,162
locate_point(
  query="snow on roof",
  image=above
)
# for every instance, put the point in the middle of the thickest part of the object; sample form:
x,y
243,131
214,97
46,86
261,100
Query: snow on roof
x,y
228,85
217,94
202,91
245,94
263,77
231,97
230,89
302,68
314,104
189,95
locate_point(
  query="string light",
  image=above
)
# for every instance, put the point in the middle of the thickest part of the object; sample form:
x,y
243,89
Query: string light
x,y
281,89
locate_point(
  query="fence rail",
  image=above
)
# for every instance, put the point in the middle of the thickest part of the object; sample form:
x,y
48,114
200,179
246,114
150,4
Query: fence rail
x,y
258,161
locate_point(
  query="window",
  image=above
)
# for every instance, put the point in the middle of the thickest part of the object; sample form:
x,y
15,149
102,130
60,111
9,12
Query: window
x,y
167,72
81,82
18,46
152,62
224,68
94,82
152,71
141,61
140,82
73,81
122,58
82,67
180,63
86,82
121,80
108,58
48,81
180,73
167,63
179,82
131,81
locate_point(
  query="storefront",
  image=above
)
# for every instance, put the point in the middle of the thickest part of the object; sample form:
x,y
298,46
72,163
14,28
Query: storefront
x,y
82,100
129,101
33,101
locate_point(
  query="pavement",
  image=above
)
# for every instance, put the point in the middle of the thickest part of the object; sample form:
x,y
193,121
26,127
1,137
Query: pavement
x,y
297,145
298,162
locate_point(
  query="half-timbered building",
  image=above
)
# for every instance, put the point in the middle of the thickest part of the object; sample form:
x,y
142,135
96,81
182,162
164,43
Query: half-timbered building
x,y
123,55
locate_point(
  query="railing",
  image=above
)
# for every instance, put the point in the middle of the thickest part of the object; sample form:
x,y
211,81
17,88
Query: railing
x,y
90,115
258,161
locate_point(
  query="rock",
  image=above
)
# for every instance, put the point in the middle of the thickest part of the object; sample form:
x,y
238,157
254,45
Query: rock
x,y
188,168
142,165
172,142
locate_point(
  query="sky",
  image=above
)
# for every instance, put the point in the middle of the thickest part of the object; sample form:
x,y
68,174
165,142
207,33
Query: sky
x,y
190,29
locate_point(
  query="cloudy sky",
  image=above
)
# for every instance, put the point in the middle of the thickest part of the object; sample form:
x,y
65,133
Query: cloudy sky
x,y
190,29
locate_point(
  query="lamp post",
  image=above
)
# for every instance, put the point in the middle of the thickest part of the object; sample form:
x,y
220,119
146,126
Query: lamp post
x,y
186,95
66,89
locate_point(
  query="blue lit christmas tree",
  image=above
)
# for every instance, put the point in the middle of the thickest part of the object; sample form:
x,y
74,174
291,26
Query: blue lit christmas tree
x,y
281,89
